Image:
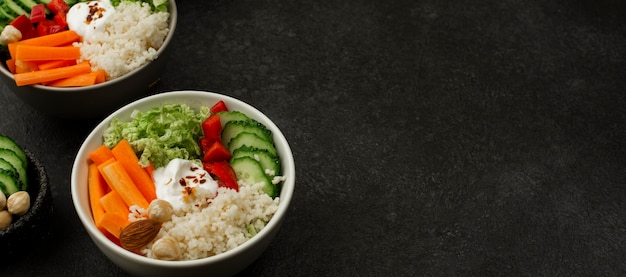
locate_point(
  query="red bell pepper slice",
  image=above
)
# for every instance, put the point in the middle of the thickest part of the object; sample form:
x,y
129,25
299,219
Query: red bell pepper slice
x,y
217,152
212,127
205,143
226,175
61,19
57,6
220,106
23,24
38,13
47,27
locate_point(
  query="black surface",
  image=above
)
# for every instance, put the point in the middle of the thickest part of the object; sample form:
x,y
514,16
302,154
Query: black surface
x,y
446,138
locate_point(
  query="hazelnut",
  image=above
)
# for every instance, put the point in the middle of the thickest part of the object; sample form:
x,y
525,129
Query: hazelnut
x,y
18,203
166,248
160,210
5,219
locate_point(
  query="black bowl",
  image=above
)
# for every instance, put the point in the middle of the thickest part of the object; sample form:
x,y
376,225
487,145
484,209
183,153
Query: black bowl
x,y
31,228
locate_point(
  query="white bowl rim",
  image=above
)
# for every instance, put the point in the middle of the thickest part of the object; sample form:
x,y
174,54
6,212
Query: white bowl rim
x,y
286,192
172,9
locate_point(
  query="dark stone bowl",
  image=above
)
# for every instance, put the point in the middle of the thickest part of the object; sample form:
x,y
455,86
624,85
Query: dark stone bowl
x,y
30,229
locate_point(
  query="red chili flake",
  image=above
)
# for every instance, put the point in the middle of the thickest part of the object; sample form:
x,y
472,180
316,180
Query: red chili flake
x,y
190,177
182,182
193,168
95,12
202,181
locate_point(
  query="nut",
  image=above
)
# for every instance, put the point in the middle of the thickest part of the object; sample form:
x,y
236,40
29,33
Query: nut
x,y
5,219
139,233
3,200
18,203
160,210
166,248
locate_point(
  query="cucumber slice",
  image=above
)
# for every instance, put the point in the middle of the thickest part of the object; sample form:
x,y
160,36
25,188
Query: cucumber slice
x,y
252,140
267,160
27,4
8,143
8,17
233,128
14,7
20,167
9,182
4,165
250,171
232,116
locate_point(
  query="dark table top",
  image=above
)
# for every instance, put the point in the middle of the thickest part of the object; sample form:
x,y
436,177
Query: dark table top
x,y
471,138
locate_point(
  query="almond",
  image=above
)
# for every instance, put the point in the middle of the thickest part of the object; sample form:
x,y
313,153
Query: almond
x,y
139,233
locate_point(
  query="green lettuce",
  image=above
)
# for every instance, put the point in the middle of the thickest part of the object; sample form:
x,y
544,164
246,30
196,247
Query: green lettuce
x,y
161,134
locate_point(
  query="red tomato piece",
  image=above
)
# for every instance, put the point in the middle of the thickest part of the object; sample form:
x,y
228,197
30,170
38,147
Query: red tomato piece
x,y
226,174
217,152
212,127
57,6
220,106
38,13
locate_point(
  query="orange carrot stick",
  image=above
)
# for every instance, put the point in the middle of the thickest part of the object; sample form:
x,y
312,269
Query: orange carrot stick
x,y
97,189
55,64
150,169
122,183
42,76
25,66
80,80
113,223
101,76
11,65
113,203
46,53
56,39
125,154
100,154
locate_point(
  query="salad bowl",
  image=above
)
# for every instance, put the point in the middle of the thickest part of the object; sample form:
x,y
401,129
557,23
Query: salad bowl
x,y
223,264
95,101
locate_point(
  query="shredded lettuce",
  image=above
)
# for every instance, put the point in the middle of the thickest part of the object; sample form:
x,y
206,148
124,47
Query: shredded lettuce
x,y
160,134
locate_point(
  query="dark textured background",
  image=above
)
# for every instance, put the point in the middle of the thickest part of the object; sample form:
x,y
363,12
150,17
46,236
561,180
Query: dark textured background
x,y
439,138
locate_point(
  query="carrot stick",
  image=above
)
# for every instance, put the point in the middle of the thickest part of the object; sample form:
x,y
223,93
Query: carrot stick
x,y
42,76
46,53
25,66
55,64
97,189
100,154
150,169
101,76
56,39
11,65
125,154
80,80
113,223
113,203
121,182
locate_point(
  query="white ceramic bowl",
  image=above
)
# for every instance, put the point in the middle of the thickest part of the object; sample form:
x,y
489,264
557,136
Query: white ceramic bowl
x,y
224,264
101,99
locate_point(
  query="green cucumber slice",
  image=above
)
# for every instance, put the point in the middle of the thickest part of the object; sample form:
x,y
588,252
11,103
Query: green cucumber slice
x,y
9,182
267,160
8,143
20,167
233,128
250,171
225,117
252,140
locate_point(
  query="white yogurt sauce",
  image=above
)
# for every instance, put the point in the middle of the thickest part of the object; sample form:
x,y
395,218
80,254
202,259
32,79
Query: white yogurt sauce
x,y
88,19
183,183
